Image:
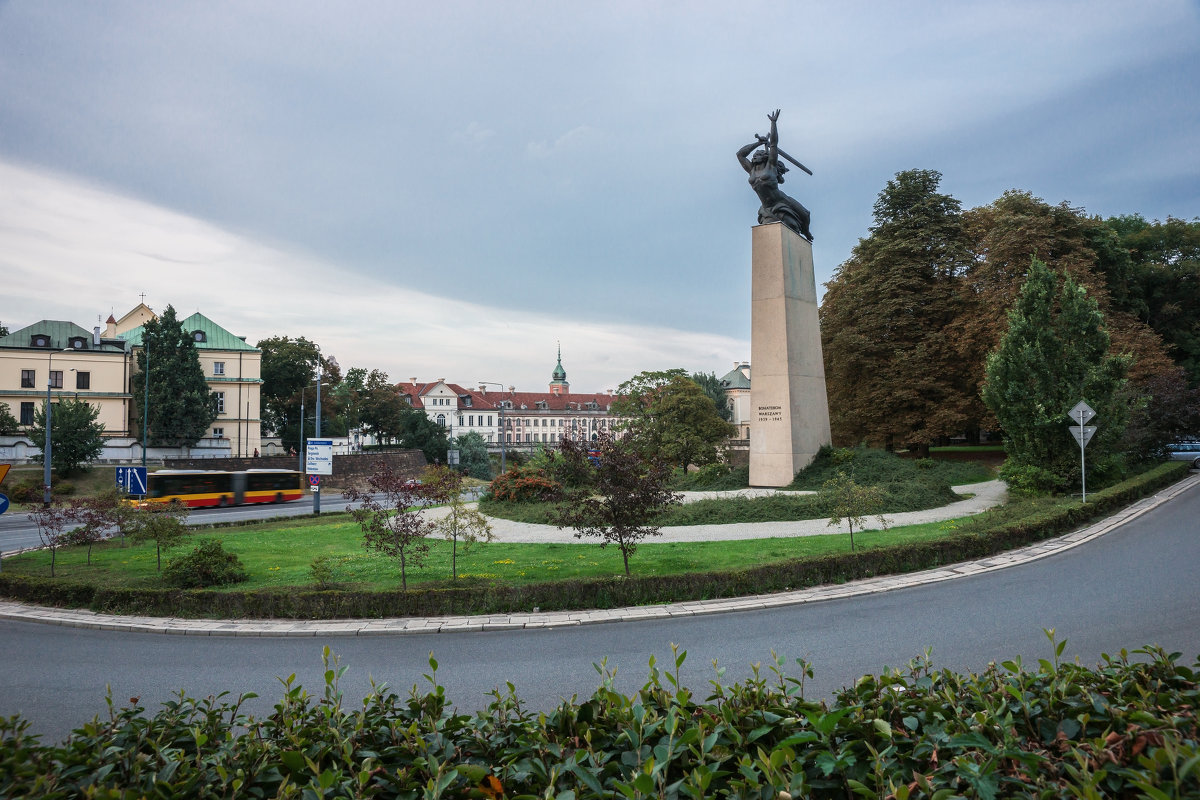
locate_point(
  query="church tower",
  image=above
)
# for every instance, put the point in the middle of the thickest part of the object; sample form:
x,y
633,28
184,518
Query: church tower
x,y
558,379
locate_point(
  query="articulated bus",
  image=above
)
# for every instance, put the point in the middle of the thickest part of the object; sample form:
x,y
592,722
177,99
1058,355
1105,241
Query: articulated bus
x,y
202,488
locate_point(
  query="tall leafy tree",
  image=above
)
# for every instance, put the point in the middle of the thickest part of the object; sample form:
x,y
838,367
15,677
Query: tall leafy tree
x,y
76,434
1054,354
289,367
181,405
1161,282
1005,237
713,387
668,415
891,370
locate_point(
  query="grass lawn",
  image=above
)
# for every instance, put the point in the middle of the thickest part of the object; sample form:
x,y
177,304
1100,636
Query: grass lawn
x,y
278,555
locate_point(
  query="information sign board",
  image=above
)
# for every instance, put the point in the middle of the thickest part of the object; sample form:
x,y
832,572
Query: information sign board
x,y
132,480
318,457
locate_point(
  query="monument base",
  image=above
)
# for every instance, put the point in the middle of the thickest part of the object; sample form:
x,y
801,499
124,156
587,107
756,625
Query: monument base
x,y
789,408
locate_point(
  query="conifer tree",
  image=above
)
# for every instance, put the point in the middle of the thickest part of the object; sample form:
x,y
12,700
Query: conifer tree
x,y
181,404
1054,354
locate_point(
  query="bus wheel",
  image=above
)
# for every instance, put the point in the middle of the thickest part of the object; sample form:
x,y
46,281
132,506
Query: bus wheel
x,y
222,501
279,497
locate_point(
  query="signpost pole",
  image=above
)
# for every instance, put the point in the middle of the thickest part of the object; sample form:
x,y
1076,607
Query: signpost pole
x,y
1082,460
317,494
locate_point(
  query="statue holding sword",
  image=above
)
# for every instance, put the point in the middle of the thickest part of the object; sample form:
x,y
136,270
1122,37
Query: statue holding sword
x,y
766,173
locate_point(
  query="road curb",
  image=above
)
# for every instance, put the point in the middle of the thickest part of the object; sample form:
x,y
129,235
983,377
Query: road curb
x,y
76,618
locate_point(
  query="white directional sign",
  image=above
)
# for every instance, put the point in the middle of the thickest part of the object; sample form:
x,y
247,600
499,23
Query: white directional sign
x,y
1082,413
318,457
1084,434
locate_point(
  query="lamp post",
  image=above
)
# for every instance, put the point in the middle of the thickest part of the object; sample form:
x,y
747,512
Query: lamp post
x,y
145,397
503,432
48,445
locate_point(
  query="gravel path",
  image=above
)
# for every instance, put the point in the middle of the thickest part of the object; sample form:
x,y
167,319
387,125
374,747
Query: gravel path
x,y
984,496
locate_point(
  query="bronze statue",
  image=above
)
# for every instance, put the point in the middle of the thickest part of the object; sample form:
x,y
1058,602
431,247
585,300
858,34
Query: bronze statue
x,y
766,173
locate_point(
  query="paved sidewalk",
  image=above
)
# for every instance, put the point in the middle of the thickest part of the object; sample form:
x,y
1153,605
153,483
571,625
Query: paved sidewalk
x,y
984,496
193,627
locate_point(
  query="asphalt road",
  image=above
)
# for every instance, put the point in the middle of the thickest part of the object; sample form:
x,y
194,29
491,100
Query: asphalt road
x,y
1134,586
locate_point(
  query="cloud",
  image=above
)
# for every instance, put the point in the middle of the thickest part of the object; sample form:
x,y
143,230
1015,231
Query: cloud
x,y
74,251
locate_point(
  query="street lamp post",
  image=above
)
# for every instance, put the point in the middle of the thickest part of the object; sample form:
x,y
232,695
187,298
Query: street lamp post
x,y
48,445
145,397
503,432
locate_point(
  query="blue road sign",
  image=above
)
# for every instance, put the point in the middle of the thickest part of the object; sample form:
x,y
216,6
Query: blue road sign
x,y
3,503
132,479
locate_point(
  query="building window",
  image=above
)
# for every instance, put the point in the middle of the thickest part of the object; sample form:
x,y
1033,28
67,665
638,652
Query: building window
x,y
199,336
441,420
471,421
26,413
509,435
529,437
220,402
28,379
218,433
83,380
489,422
218,368
56,379
40,341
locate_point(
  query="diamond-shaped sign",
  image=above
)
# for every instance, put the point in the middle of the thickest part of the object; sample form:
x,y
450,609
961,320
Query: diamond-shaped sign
x,y
1084,434
1082,413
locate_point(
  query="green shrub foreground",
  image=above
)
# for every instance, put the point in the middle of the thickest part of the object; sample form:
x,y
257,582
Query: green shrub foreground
x,y
987,534
1126,728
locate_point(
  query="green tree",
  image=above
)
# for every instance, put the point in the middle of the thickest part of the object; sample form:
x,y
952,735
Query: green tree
x,y
417,431
891,370
289,368
8,423
1055,354
668,415
77,435
713,387
181,405
462,524
380,408
627,494
1161,282
851,501
473,458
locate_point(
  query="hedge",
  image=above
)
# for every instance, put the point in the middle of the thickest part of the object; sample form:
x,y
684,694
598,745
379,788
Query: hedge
x,y
615,592
1126,728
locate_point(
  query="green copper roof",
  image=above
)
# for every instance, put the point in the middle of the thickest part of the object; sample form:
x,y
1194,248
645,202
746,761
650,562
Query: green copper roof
x,y
559,373
60,333
734,379
215,337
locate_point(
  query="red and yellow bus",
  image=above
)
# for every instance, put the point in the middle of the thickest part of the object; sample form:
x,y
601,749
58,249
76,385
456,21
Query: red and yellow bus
x,y
200,488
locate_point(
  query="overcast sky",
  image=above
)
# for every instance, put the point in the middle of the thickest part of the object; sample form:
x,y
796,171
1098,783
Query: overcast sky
x,y
449,189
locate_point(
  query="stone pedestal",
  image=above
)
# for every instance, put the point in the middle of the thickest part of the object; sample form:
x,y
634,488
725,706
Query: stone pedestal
x,y
789,409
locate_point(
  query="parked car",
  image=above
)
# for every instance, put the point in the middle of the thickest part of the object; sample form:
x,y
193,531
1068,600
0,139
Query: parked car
x,y
1185,451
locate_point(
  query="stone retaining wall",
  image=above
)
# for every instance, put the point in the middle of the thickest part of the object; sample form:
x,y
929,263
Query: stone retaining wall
x,y
348,470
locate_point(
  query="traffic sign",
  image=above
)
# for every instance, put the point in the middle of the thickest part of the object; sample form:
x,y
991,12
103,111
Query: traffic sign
x,y
4,471
1083,434
3,503
318,457
314,480
132,479
1082,413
